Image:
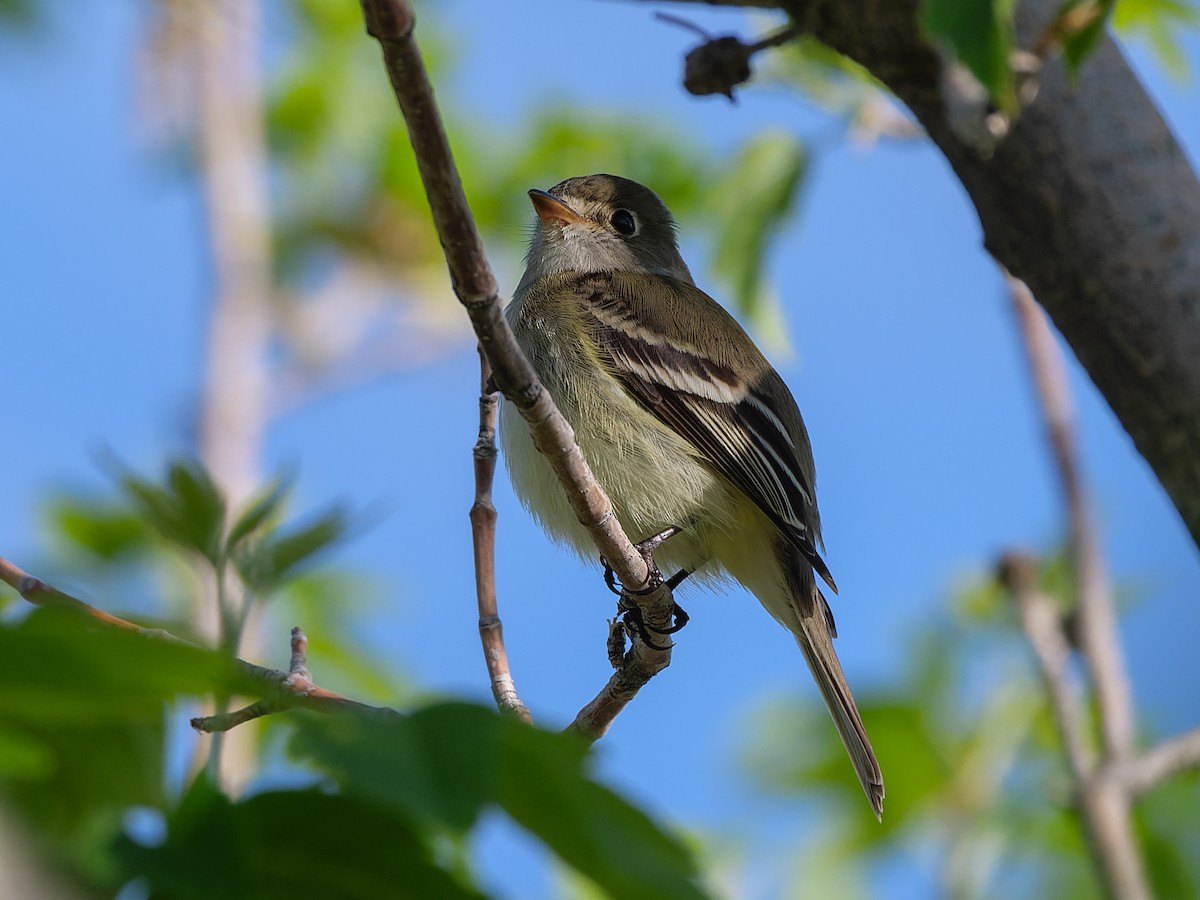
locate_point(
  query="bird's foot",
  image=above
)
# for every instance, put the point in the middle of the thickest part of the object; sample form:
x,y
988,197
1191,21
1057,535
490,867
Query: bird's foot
x,y
646,548
631,614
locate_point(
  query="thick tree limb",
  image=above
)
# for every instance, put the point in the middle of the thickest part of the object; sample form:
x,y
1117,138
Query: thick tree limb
x,y
1089,200
391,22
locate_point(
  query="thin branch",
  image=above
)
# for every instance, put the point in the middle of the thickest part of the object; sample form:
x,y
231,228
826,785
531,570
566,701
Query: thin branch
x,y
281,690
1098,634
391,23
1172,756
483,537
1042,624
39,593
1105,804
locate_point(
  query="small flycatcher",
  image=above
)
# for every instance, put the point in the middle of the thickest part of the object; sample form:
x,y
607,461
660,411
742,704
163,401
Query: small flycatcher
x,y
681,417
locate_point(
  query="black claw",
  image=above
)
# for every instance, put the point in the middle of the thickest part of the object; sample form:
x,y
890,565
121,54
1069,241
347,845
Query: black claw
x,y
678,578
681,619
633,617
610,577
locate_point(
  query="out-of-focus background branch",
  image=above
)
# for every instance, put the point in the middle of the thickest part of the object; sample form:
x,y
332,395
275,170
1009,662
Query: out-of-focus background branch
x,y
218,247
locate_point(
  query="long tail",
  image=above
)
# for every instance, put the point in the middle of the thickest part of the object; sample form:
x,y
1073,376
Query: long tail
x,y
815,637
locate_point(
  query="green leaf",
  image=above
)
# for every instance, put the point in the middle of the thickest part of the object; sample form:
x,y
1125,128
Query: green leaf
x,y
980,32
590,827
264,564
753,200
446,763
289,845
82,725
259,512
1162,23
23,756
189,511
1082,23
440,766
102,529
58,666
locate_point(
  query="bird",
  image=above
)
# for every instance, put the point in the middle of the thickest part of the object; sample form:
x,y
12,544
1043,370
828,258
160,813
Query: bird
x,y
684,422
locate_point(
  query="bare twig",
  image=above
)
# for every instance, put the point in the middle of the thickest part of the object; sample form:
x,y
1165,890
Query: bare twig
x,y
1104,800
1042,623
298,666
391,23
1098,635
39,593
282,690
1172,756
483,536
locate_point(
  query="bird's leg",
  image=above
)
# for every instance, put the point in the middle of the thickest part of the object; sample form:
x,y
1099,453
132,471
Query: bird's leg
x,y
631,612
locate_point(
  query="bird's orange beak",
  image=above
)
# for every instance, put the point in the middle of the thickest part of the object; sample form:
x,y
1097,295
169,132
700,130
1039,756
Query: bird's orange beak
x,y
552,211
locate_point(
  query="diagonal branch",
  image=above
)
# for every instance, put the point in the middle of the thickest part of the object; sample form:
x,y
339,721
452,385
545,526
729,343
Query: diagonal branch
x,y
1042,624
391,22
281,690
1156,765
1105,803
1098,634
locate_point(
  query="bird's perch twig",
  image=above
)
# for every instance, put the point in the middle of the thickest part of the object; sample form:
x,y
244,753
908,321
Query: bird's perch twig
x,y
391,22
281,690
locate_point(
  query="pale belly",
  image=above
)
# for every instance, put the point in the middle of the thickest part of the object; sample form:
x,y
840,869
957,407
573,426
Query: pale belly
x,y
652,478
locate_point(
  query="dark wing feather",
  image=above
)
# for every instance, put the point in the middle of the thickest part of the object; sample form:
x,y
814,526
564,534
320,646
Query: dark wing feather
x,y
745,430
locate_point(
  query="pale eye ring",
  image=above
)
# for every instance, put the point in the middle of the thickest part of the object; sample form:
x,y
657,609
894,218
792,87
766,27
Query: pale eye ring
x,y
624,222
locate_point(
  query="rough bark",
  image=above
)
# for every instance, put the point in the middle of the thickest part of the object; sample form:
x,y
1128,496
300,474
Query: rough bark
x,y
1089,200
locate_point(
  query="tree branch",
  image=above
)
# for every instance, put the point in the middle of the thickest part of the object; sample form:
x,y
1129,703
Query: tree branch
x,y
391,22
1104,801
1095,212
1042,624
483,537
281,690
1097,620
1156,765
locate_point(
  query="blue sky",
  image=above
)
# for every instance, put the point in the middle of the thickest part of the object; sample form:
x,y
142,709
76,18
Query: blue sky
x,y
907,367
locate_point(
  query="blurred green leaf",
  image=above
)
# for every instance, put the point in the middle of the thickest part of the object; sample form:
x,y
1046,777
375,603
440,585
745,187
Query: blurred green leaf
x,y
1082,22
82,719
980,32
1162,23
58,666
442,765
589,827
22,756
188,511
289,845
19,15
751,203
260,512
264,564
104,530
447,762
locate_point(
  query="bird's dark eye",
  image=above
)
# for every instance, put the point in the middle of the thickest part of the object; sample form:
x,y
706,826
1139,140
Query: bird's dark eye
x,y
624,222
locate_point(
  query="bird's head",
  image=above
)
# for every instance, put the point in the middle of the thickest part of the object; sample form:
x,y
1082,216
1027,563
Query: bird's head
x,y
599,223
